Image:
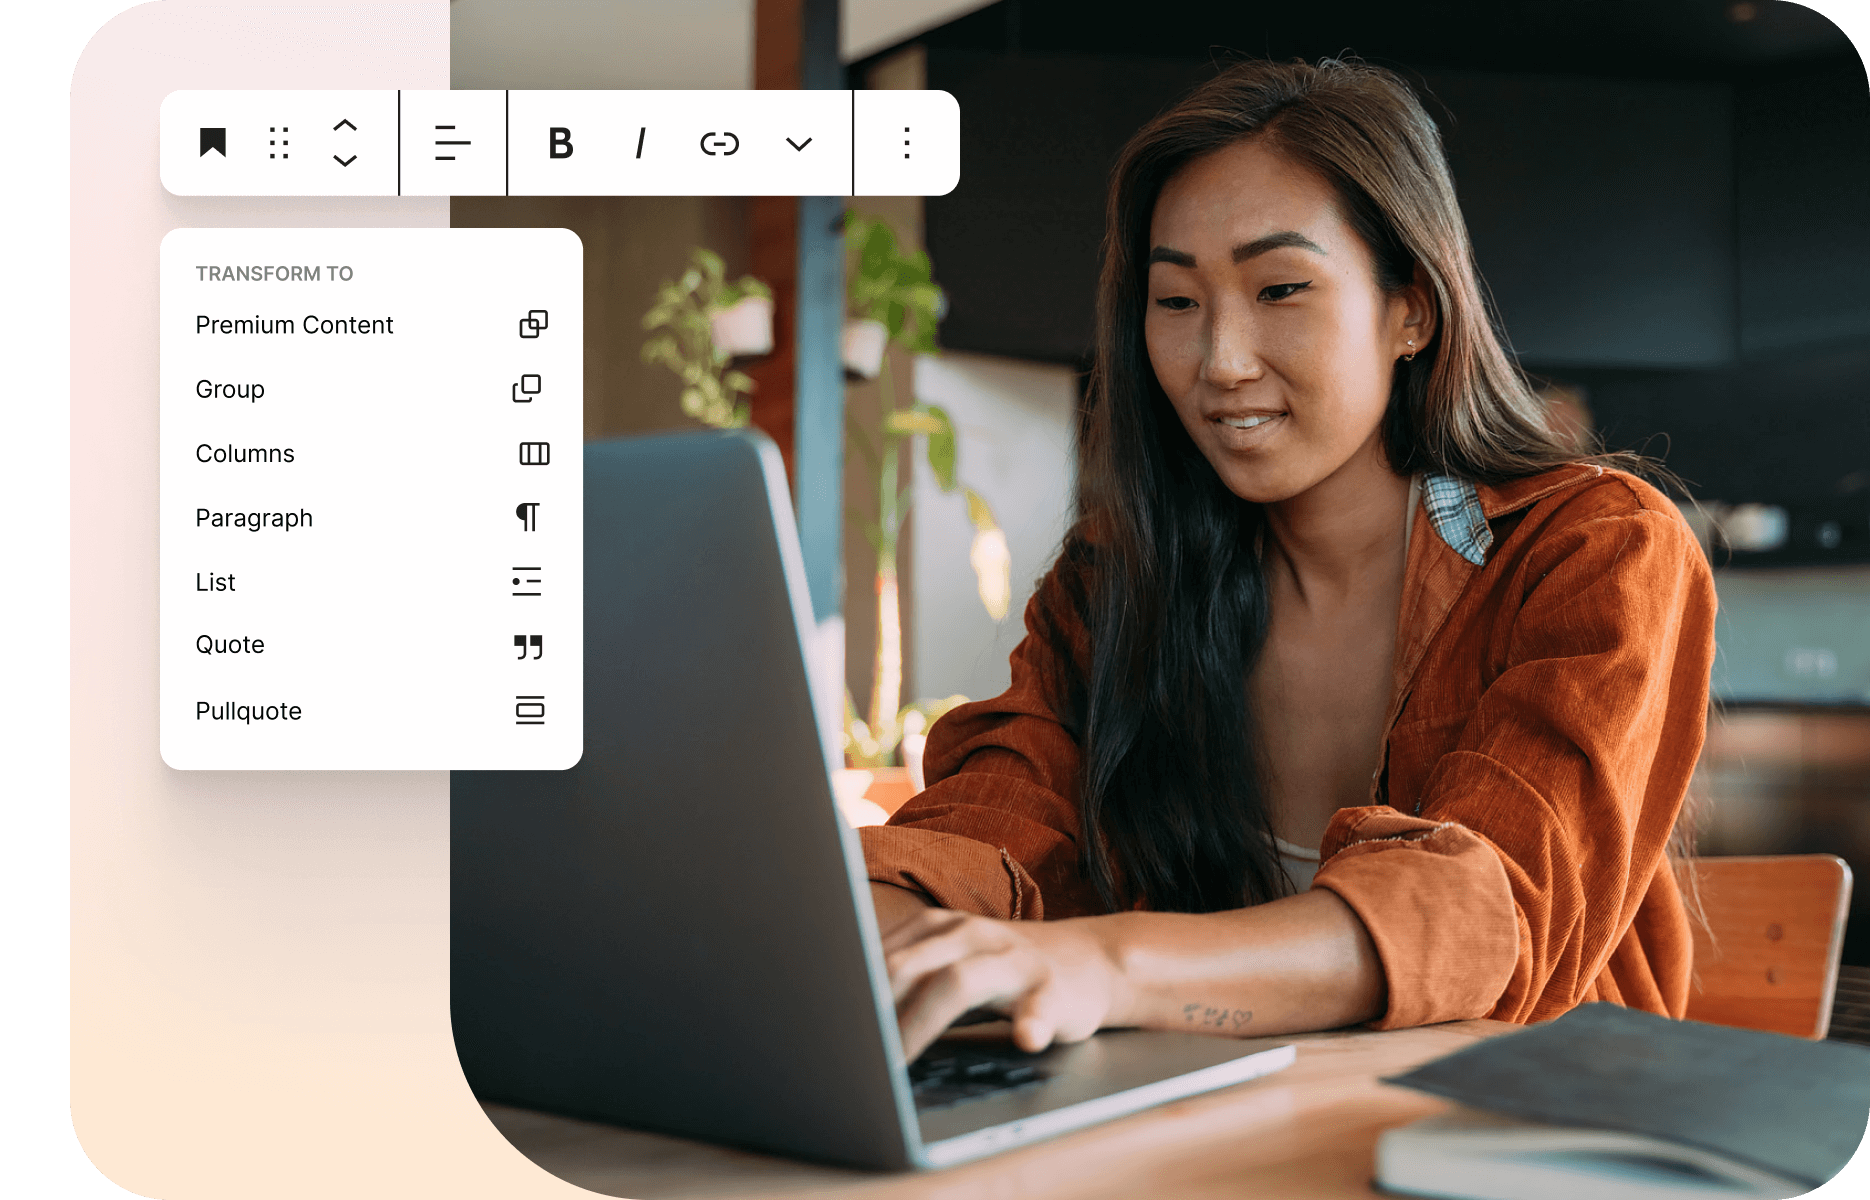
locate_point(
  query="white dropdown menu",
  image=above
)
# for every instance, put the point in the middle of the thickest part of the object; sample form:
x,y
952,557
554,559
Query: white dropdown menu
x,y
371,508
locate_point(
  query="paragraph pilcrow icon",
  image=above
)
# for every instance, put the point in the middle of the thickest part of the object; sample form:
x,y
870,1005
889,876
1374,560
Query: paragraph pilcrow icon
x,y
533,323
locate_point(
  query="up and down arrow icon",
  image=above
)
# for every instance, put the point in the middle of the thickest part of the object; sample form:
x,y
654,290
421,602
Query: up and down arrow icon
x,y
344,123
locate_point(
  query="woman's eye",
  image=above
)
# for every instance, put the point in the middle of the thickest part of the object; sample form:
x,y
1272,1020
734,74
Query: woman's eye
x,y
1280,291
1176,303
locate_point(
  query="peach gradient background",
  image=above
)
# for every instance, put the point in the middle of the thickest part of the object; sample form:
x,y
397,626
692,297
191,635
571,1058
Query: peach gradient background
x,y
259,961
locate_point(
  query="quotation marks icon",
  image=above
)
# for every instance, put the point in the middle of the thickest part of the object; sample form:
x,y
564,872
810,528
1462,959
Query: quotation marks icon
x,y
534,641
533,323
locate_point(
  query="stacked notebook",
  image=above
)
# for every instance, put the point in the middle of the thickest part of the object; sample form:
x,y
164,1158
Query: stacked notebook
x,y
1615,1104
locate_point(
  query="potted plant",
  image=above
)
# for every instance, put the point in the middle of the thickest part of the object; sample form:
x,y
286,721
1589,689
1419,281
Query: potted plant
x,y
706,322
893,300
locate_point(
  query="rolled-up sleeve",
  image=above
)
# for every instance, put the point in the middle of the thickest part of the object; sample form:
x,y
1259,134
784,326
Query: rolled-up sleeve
x,y
996,830
1508,888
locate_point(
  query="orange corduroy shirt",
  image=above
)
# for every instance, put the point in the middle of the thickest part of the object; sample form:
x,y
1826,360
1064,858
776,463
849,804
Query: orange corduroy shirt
x,y
1548,707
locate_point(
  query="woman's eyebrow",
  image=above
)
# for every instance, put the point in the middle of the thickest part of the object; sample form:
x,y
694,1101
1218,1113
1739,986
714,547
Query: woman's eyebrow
x,y
1245,250
1275,241
1162,254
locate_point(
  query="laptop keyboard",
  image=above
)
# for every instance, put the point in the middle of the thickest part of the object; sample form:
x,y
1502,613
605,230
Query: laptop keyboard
x,y
948,1075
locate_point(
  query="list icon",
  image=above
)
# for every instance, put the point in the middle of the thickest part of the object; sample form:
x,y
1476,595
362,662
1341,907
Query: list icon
x,y
527,581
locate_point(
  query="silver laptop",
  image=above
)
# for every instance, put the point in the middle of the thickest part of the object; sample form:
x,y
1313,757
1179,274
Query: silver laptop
x,y
676,934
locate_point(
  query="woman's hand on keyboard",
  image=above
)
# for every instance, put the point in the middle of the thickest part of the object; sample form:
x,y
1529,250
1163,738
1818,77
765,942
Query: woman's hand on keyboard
x,y
1056,980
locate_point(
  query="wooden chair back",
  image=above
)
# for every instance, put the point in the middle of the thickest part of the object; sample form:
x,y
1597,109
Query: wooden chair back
x,y
1767,955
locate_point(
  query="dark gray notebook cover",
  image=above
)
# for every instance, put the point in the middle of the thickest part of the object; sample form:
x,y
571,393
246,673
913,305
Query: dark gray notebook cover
x,y
1783,1104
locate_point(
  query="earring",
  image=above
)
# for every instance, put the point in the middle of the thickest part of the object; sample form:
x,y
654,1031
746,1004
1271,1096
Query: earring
x,y
1410,357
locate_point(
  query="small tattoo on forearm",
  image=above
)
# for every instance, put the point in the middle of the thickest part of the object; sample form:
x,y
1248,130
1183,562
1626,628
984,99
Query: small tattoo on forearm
x,y
1201,1016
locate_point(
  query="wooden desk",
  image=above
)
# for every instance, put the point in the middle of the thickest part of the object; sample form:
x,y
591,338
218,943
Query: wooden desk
x,y
1306,1133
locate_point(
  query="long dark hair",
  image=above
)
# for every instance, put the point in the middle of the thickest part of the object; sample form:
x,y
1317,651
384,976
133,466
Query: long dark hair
x,y
1173,803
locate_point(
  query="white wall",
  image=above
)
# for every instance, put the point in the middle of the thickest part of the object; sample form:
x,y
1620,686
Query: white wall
x,y
1015,420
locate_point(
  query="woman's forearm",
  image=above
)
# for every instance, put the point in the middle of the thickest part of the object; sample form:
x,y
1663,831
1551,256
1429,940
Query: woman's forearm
x,y
1300,963
894,905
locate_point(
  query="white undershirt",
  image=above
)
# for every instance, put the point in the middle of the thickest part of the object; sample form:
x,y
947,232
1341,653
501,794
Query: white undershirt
x,y
1298,863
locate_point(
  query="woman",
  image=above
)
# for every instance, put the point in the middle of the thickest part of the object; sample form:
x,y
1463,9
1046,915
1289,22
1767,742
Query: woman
x,y
1353,695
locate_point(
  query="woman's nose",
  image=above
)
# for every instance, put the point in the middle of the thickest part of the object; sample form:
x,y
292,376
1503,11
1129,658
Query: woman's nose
x,y
1233,358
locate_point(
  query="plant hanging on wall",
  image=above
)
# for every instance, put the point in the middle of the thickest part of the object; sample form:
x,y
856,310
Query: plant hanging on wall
x,y
706,322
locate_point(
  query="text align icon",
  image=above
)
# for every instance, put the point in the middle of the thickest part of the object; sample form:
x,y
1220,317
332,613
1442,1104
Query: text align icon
x,y
528,514
533,323
535,454
529,710
527,581
215,140
527,387
533,642
448,143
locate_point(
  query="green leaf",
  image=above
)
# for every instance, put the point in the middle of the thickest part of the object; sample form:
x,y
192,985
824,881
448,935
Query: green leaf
x,y
979,511
879,247
914,420
941,448
662,349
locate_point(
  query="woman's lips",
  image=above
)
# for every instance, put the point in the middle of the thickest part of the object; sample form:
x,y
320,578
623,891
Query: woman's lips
x,y
1244,431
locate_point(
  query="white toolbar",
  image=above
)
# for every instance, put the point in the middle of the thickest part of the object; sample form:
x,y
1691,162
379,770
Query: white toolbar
x,y
584,143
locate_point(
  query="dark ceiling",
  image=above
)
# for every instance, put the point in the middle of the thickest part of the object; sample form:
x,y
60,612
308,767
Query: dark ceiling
x,y
1650,39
